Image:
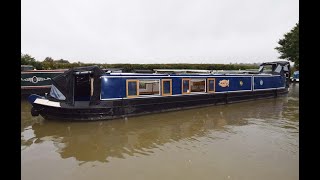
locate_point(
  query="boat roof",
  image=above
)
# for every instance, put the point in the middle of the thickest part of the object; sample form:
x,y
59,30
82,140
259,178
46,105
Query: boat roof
x,y
184,74
182,70
275,62
65,82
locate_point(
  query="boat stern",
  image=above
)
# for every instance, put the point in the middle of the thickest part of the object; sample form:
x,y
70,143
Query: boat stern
x,y
31,99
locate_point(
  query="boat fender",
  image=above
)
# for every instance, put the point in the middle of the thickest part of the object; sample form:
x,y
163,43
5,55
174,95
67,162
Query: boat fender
x,y
34,112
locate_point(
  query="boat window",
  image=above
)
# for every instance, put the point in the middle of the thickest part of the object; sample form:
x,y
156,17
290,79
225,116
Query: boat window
x,y
132,88
211,84
285,68
149,87
266,69
166,87
278,69
185,86
260,68
142,85
198,85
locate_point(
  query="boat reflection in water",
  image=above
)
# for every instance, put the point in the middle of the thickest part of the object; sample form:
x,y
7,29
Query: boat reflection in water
x,y
135,136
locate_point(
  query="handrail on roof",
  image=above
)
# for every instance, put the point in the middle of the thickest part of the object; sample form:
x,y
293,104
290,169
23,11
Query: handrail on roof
x,y
200,71
181,70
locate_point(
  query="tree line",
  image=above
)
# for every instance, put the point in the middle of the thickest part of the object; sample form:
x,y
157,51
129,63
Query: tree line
x,y
50,63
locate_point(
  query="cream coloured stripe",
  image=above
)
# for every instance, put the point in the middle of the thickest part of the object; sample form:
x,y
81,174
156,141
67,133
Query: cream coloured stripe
x,y
268,89
28,87
46,102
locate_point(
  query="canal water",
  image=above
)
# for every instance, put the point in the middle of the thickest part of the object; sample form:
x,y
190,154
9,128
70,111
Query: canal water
x,y
244,141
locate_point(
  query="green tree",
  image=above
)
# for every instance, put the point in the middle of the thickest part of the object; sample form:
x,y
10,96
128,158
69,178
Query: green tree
x,y
48,59
289,46
48,63
26,59
63,61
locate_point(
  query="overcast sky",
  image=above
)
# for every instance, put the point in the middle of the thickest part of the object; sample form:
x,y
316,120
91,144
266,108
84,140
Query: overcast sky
x,y
156,31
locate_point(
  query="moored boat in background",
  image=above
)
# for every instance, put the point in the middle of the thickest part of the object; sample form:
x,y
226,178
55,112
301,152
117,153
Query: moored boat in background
x,y
295,77
89,93
37,81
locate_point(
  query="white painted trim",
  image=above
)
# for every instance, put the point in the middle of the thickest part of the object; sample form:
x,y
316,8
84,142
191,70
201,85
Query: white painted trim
x,y
28,87
252,83
48,72
150,96
114,99
194,93
239,91
175,76
268,89
47,102
266,76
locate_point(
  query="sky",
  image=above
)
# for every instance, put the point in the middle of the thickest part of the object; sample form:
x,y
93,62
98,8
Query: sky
x,y
156,31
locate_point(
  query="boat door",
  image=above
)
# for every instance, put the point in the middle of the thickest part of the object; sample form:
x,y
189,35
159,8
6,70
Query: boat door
x,y
82,87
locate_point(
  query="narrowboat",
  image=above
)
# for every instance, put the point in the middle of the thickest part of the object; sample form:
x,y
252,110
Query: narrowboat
x,y
89,93
36,81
